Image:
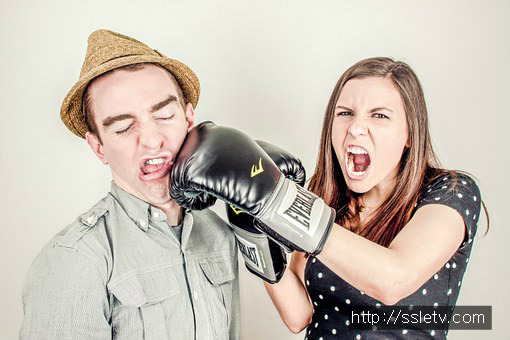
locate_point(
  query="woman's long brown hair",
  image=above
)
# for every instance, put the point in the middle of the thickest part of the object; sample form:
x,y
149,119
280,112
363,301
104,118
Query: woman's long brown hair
x,y
419,164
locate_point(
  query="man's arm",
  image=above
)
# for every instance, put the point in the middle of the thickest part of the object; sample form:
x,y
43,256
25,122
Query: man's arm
x,y
65,297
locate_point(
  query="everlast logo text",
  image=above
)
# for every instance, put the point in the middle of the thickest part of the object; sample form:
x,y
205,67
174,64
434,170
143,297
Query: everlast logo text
x,y
301,208
249,252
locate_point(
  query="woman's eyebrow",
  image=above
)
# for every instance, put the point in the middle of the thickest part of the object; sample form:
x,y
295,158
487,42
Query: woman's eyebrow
x,y
343,108
379,109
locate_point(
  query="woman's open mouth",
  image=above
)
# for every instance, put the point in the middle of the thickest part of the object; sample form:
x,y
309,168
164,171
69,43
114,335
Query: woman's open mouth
x,y
357,162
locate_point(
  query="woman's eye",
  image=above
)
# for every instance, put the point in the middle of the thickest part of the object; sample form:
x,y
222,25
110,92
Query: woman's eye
x,y
380,115
344,113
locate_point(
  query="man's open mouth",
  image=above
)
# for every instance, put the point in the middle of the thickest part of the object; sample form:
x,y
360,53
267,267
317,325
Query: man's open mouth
x,y
155,168
357,161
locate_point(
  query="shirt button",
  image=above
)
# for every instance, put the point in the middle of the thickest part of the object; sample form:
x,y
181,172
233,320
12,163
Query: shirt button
x,y
155,215
195,296
142,223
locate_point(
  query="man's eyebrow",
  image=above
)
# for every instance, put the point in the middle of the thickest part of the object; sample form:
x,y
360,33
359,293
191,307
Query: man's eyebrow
x,y
379,109
110,120
171,98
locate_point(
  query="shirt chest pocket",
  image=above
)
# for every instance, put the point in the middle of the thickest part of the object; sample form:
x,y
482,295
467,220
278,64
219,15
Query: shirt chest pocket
x,y
139,304
219,274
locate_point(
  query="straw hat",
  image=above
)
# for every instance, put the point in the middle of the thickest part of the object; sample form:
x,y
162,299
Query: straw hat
x,y
108,50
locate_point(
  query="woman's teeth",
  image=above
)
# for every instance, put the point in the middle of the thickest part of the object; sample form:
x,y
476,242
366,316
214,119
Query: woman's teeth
x,y
154,161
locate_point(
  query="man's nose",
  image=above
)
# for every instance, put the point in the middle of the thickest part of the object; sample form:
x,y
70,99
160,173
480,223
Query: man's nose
x,y
358,127
151,137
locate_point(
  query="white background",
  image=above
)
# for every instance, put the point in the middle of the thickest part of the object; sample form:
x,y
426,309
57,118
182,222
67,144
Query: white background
x,y
268,68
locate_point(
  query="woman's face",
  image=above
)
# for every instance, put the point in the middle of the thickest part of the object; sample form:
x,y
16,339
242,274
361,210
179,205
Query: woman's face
x,y
369,133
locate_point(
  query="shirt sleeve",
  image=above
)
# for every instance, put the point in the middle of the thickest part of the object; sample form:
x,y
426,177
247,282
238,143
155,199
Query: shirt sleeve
x,y
460,192
64,297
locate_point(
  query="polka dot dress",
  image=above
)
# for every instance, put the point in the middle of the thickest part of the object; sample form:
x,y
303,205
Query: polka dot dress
x,y
331,295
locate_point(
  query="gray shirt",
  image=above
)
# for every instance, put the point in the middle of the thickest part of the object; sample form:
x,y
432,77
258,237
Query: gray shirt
x,y
120,272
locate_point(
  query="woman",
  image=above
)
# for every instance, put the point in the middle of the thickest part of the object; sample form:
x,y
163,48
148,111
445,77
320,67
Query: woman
x,y
404,227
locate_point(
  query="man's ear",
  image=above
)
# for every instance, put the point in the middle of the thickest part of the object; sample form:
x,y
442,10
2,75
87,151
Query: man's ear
x,y
189,114
96,146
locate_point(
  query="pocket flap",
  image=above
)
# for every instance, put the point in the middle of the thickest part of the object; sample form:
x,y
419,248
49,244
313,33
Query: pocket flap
x,y
146,287
218,268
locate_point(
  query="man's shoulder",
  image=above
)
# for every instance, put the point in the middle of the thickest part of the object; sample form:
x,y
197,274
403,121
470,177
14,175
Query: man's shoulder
x,y
86,235
89,222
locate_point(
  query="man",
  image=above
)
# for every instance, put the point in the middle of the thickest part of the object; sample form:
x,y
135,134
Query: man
x,y
135,266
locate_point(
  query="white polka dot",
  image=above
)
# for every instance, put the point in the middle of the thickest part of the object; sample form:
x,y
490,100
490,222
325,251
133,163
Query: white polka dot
x,y
319,275
467,212
358,337
333,331
332,288
436,276
449,291
470,240
444,179
321,338
337,309
447,265
459,195
454,265
316,324
378,305
347,323
361,292
474,217
321,297
347,301
429,190
444,187
437,198
464,182
307,282
325,316
436,304
313,260
424,291
459,283
315,303
432,332
404,331
467,260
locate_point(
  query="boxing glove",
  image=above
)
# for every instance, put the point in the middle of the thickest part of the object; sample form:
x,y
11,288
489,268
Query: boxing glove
x,y
262,256
228,164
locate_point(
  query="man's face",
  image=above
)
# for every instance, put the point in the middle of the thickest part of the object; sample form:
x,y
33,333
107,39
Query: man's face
x,y
142,127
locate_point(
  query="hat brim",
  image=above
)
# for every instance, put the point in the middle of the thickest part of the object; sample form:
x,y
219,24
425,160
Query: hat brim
x,y
71,111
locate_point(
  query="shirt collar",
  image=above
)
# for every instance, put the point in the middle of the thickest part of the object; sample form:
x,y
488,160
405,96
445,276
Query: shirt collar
x,y
137,209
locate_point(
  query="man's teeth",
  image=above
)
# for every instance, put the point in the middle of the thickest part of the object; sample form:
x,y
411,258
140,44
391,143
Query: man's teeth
x,y
154,161
356,150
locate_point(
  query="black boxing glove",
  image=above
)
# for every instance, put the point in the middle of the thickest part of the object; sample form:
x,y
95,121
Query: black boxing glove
x,y
262,256
228,164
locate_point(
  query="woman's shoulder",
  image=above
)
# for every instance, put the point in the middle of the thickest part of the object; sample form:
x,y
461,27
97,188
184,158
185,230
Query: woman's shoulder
x,y
455,189
446,183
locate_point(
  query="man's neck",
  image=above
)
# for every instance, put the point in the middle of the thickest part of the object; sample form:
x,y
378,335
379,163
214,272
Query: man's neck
x,y
172,211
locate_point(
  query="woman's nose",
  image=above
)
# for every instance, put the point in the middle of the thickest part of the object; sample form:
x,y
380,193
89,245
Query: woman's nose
x,y
358,127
